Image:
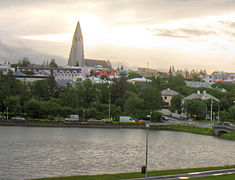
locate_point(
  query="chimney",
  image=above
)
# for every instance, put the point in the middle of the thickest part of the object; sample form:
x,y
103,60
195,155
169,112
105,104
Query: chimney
x,y
168,89
204,92
198,91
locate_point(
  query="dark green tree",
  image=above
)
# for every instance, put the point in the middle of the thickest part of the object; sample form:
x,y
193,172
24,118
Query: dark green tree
x,y
53,63
176,102
152,98
196,107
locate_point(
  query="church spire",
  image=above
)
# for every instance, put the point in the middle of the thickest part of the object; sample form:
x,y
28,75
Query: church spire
x,y
76,57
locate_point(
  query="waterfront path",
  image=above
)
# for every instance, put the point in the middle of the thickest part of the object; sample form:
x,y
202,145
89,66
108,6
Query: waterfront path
x,y
191,175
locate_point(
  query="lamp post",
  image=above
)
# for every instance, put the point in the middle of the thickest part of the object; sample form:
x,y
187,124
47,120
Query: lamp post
x,y
146,158
7,113
211,110
109,106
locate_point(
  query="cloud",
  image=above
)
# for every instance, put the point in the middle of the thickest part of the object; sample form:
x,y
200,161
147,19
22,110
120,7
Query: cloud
x,y
228,23
13,54
182,32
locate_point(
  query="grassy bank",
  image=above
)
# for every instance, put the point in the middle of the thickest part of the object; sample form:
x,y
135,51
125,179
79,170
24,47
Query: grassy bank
x,y
221,177
136,174
191,129
229,136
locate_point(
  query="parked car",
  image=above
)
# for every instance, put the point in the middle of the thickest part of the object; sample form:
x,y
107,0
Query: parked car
x,y
73,117
3,117
18,118
165,118
126,119
142,121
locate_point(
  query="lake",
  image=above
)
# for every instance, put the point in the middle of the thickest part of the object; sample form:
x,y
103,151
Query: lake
x,y
34,152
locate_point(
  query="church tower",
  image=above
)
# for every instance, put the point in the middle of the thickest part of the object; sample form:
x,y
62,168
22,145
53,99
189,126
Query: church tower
x,y
76,56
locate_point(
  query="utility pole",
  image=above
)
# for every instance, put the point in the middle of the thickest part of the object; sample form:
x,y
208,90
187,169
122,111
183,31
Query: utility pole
x,y
109,106
211,110
7,113
146,158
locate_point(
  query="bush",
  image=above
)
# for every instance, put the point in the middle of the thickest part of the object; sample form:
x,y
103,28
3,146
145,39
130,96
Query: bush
x,y
156,116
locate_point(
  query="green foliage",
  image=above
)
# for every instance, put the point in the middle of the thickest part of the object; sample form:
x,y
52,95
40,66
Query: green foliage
x,y
230,135
176,103
28,72
53,63
196,107
133,104
32,107
132,75
156,116
224,116
126,98
176,82
232,112
139,174
152,98
13,104
191,129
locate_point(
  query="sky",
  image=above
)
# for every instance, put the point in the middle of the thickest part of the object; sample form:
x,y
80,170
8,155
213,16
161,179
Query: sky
x,y
186,34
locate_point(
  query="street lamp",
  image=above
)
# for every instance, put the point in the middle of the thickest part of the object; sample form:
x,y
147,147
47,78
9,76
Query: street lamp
x,y
211,110
109,106
146,158
7,113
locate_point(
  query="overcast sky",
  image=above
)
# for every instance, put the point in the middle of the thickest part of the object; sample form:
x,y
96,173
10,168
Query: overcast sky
x,y
189,34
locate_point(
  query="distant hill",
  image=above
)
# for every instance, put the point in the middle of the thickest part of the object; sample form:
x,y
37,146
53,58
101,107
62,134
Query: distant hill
x,y
13,54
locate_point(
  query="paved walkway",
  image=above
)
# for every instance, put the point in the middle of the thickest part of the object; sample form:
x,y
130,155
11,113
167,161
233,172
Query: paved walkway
x,y
190,175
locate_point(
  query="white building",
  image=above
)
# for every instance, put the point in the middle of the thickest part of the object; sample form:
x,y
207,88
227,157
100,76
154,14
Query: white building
x,y
167,96
60,73
5,69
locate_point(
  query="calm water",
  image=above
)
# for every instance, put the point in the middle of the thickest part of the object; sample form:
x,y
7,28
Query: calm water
x,y
32,152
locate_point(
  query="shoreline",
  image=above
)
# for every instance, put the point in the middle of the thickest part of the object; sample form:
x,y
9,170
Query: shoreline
x,y
138,174
164,127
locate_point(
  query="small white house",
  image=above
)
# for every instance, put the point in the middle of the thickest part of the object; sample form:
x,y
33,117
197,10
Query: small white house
x,y
167,95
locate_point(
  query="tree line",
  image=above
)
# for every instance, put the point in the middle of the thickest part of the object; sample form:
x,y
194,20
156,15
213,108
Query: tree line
x,y
42,98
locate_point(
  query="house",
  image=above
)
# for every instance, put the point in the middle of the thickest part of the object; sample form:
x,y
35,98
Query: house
x,y
143,82
202,96
167,95
197,84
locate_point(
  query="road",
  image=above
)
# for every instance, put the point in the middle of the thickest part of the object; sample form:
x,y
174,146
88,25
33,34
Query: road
x,y
174,121
191,175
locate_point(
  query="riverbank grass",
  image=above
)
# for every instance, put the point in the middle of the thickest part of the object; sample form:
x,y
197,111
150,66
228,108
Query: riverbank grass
x,y
191,129
229,136
221,177
136,174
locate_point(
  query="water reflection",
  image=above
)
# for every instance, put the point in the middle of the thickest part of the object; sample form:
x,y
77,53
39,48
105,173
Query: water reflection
x,y
27,152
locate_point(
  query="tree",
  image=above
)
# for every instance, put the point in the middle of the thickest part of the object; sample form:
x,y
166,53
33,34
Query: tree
x,y
132,75
152,98
176,82
176,103
156,116
40,89
13,104
32,108
231,111
70,96
196,107
133,105
89,92
53,64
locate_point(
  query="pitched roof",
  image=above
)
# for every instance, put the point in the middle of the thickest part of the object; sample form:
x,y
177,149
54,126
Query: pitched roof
x,y
169,92
203,96
95,62
197,84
